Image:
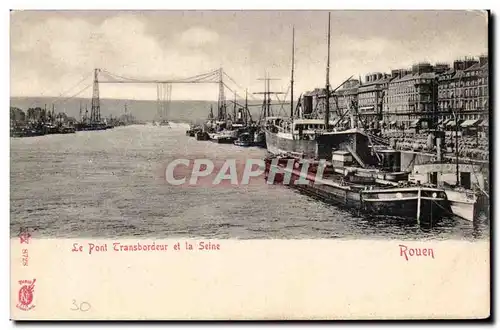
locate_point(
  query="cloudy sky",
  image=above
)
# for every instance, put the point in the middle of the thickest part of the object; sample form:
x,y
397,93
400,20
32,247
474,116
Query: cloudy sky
x,y
52,51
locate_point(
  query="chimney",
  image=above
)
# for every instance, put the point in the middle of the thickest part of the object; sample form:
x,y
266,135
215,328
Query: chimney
x,y
469,61
458,65
441,68
483,59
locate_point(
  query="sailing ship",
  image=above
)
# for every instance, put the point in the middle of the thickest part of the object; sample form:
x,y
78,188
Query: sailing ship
x,y
221,129
301,134
362,175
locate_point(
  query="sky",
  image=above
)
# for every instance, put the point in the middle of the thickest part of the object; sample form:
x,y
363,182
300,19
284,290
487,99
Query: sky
x,y
53,53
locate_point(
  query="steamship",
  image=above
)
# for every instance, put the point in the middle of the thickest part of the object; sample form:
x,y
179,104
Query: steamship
x,y
302,135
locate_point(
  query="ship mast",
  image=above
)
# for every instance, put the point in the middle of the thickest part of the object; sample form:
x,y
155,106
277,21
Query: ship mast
x,y
293,67
234,108
246,106
327,87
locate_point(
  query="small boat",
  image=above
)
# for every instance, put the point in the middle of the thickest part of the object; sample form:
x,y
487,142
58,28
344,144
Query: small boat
x,y
202,136
463,203
91,126
245,140
259,139
467,201
223,136
193,130
51,129
66,129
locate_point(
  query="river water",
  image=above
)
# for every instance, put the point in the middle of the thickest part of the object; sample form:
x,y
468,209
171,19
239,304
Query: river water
x,y
106,184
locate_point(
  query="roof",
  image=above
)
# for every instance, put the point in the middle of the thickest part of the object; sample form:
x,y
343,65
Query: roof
x,y
458,74
415,122
310,121
449,73
404,78
470,122
428,75
375,82
317,91
473,67
371,86
451,123
410,76
485,123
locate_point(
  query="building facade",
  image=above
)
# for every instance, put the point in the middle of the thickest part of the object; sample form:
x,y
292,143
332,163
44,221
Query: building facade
x,y
371,98
423,96
463,91
411,97
346,97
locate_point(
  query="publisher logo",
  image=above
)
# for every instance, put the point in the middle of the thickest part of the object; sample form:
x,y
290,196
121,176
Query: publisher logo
x,y
25,295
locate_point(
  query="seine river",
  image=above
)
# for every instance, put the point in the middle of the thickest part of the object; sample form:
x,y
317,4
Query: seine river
x,y
106,184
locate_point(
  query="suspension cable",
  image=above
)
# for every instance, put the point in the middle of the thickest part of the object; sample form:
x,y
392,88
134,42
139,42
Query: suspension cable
x,y
74,95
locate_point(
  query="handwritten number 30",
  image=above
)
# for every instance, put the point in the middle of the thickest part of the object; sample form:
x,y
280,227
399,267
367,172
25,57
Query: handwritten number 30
x,y
83,306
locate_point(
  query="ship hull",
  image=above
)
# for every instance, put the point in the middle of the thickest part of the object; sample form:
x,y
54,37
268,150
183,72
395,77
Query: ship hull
x,y
427,211
243,143
202,136
463,210
462,204
278,144
223,140
424,205
224,137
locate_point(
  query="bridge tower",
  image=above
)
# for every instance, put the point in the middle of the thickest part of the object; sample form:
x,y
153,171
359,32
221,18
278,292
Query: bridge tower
x,y
95,112
221,104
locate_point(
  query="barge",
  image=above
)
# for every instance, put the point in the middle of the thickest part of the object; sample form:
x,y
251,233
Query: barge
x,y
359,189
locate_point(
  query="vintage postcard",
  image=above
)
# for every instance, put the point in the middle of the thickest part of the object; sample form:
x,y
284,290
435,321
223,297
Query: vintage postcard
x,y
250,165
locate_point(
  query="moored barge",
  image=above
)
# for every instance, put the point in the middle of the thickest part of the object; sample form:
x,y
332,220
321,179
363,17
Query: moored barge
x,y
362,191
